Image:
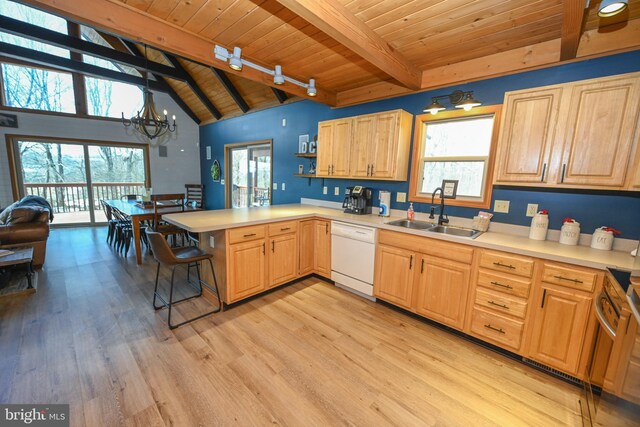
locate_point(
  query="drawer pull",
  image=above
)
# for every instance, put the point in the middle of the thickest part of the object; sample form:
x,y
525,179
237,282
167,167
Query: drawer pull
x,y
250,235
499,305
494,328
285,229
501,285
500,264
568,279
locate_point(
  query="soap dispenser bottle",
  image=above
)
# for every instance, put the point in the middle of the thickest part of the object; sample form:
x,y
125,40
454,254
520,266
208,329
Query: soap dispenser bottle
x,y
410,212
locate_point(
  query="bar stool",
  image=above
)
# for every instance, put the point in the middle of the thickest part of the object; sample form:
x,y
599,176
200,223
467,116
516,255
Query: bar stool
x,y
173,257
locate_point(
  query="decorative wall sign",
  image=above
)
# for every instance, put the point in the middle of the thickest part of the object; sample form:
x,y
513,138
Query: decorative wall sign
x,y
8,120
215,171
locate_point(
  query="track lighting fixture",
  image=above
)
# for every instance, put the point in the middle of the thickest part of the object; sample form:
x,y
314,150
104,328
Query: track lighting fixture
x,y
236,62
458,99
609,8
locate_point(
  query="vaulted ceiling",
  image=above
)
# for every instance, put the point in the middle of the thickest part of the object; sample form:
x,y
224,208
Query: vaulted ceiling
x,y
356,50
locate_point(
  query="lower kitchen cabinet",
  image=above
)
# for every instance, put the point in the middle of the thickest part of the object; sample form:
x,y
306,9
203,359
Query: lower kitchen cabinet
x,y
307,230
442,288
283,259
246,274
393,280
322,247
559,328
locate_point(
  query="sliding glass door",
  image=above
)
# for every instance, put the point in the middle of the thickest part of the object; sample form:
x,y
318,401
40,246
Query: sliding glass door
x,y
250,174
75,176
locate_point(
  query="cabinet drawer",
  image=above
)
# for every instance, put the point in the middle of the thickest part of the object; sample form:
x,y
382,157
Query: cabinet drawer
x,y
496,328
583,280
245,234
508,263
284,227
500,302
505,283
427,246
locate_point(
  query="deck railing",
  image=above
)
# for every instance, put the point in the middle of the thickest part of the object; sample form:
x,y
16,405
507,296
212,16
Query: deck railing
x,y
74,196
241,197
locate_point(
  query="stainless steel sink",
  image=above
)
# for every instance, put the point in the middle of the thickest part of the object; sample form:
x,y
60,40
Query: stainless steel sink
x,y
455,231
415,225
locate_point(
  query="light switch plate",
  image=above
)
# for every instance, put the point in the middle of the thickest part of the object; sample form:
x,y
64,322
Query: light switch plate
x,y
208,152
325,190
275,185
501,206
336,191
283,186
401,197
222,182
532,209
212,242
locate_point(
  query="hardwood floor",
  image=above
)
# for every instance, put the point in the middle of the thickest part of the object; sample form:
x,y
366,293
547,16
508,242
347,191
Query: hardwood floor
x,y
307,354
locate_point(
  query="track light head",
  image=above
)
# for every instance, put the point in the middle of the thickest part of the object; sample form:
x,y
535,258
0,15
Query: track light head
x,y
278,78
434,107
609,8
311,88
235,62
468,102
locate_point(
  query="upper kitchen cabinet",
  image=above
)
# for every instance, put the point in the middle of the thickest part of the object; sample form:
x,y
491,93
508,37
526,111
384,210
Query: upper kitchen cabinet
x,y
580,134
528,130
377,148
334,142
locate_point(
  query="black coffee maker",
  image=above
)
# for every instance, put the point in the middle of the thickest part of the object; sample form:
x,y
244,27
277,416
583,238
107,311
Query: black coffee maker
x,y
357,200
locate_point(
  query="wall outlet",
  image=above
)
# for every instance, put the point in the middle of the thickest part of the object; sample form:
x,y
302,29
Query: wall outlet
x,y
275,185
336,191
222,181
283,186
532,209
325,189
501,206
401,197
212,242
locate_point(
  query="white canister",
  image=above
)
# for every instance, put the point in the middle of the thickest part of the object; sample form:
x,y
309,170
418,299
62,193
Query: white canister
x,y
570,233
602,239
539,226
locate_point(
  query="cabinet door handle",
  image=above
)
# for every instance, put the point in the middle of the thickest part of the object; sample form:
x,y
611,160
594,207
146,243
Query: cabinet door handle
x,y
568,279
250,235
372,170
500,264
333,169
498,305
493,328
544,295
285,229
368,166
263,248
326,228
411,262
544,170
501,285
422,267
564,167
273,246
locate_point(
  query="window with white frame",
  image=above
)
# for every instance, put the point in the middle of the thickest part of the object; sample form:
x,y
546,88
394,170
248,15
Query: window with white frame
x,y
455,145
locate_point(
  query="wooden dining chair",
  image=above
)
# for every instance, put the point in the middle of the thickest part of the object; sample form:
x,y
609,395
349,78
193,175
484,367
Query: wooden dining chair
x,y
194,193
167,203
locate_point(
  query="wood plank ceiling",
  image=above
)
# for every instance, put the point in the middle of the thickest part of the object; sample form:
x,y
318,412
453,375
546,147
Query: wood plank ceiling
x,y
357,50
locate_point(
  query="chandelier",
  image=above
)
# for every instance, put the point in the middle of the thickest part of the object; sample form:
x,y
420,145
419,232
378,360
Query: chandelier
x,y
148,122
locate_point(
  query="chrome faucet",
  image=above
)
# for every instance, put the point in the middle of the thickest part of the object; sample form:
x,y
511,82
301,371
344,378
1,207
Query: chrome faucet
x,y
442,218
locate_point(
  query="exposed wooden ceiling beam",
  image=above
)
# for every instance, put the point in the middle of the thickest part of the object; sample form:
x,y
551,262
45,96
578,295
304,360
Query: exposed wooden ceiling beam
x,y
69,65
231,89
573,16
330,17
194,86
131,48
129,22
75,44
280,95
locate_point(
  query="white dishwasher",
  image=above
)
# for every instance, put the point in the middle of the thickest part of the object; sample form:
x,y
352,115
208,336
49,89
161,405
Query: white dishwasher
x,y
353,252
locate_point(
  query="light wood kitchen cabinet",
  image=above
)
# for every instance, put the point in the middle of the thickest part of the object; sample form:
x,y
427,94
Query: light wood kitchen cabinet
x,y
377,148
334,147
393,279
246,273
283,258
528,131
442,288
322,248
559,328
306,233
580,135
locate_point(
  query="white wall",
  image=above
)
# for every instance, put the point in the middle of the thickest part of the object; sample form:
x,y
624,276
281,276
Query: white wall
x,y
168,174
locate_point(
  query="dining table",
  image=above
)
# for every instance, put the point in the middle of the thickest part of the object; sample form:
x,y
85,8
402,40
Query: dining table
x,y
138,214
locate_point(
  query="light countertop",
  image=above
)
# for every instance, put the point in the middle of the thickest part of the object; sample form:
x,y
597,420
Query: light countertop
x,y
205,221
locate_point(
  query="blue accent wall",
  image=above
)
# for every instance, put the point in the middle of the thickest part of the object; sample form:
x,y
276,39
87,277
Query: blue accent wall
x,y
592,209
